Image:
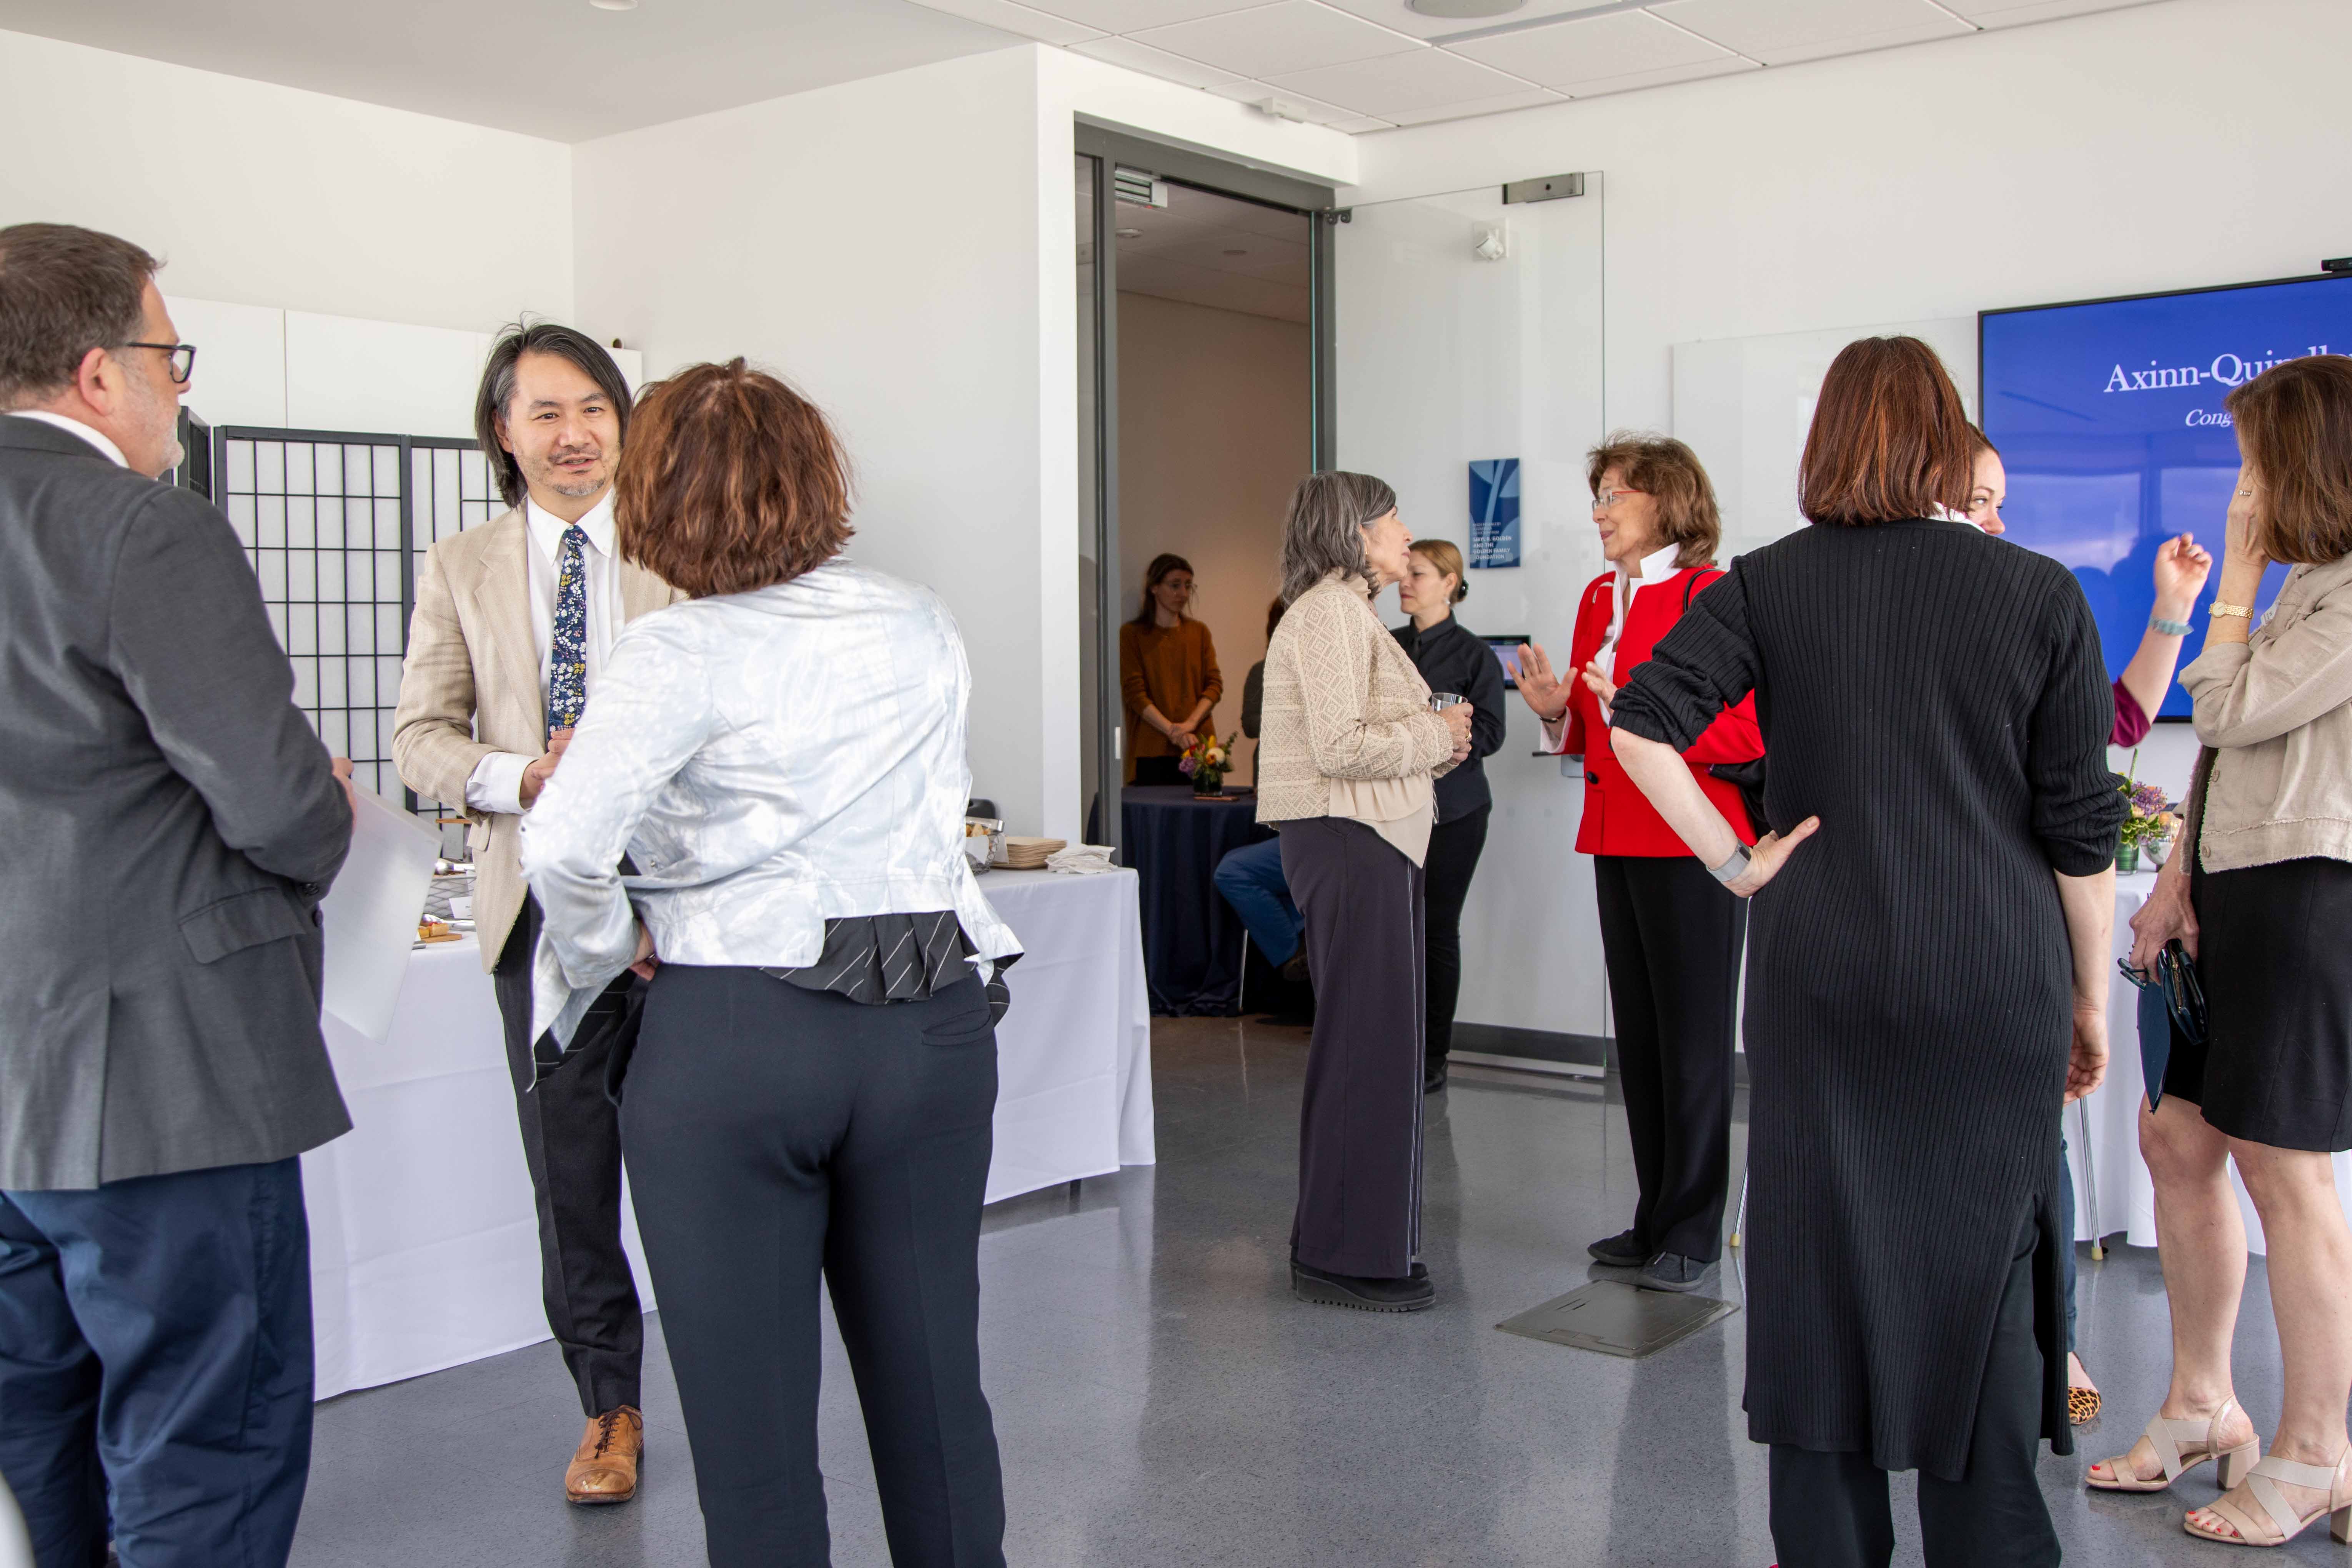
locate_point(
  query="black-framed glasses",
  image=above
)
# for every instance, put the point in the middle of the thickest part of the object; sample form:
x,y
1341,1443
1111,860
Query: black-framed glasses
x,y
2176,976
183,358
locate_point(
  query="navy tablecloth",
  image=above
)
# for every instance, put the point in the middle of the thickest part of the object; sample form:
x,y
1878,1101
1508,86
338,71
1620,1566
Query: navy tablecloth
x,y
1191,938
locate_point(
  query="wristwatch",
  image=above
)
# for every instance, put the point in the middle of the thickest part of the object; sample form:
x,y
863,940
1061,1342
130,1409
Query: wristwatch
x,y
2219,609
1734,868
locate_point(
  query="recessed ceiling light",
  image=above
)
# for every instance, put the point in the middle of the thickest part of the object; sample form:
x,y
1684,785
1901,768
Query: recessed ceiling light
x,y
1129,233
1452,8
632,5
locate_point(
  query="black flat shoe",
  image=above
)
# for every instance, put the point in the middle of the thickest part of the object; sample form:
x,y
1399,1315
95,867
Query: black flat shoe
x,y
1623,1250
1432,1077
1673,1271
1414,1293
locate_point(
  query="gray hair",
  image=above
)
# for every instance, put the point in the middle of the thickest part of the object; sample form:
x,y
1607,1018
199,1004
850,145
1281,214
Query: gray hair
x,y
63,292
1329,513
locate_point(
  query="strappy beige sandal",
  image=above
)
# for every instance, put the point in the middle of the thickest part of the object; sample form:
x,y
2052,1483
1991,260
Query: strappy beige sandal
x,y
2182,1445
2269,1522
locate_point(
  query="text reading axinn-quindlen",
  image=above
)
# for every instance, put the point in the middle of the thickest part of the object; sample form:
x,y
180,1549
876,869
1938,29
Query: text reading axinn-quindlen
x,y
2228,369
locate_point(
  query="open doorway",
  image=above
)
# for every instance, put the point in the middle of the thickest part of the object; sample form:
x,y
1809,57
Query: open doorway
x,y
1204,305
1204,356
1215,426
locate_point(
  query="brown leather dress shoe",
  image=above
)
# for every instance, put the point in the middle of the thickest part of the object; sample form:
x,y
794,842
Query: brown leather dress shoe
x,y
603,1469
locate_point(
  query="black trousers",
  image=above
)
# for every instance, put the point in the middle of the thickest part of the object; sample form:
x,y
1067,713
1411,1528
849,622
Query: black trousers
x,y
1671,938
1359,1126
155,1345
773,1133
1830,1510
572,1140
1453,859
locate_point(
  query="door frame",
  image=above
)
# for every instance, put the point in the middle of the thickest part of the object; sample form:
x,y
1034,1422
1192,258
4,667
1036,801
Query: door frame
x,y
1110,150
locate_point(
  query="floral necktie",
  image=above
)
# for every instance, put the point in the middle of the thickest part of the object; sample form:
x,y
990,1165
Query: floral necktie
x,y
567,665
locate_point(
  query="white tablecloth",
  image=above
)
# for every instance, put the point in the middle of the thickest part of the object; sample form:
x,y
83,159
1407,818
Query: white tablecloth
x,y
423,1241
2126,1197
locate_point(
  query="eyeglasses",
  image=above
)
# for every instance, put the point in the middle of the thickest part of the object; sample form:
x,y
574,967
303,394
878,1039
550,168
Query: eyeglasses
x,y
1605,500
2176,976
183,358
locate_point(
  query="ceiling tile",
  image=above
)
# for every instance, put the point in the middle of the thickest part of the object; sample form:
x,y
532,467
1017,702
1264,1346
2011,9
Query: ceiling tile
x,y
1027,21
1294,35
1601,49
1528,97
1396,14
1317,111
2017,13
1426,78
1134,15
1729,65
1779,32
1143,58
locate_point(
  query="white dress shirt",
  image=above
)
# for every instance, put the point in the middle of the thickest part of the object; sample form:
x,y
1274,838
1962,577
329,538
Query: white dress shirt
x,y
92,434
497,781
768,760
1657,567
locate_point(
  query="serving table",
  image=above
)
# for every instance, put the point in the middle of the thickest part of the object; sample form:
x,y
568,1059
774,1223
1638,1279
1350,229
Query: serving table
x,y
424,1237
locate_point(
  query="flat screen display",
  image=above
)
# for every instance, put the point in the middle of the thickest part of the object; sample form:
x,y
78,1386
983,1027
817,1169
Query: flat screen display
x,y
2109,418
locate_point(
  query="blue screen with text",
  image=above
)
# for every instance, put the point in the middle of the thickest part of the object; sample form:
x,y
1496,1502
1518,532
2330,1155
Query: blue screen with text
x,y
2109,418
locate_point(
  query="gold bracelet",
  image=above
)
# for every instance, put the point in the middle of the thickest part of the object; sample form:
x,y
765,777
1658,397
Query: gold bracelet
x,y
2221,609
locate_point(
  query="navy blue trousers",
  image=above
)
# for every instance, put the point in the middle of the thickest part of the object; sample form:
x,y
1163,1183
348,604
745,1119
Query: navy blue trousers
x,y
156,1339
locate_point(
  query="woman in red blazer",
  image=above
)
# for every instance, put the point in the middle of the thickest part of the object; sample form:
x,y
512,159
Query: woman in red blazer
x,y
1670,933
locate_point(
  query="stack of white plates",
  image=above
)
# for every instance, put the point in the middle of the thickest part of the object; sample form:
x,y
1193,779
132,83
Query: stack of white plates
x,y
1028,854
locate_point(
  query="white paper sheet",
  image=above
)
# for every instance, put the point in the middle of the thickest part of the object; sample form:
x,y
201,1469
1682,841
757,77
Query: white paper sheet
x,y
369,914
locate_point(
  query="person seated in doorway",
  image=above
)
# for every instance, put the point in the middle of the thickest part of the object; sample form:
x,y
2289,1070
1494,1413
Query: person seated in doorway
x,y
1250,878
1167,672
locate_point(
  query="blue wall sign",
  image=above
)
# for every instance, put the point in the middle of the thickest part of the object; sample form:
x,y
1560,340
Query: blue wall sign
x,y
1495,513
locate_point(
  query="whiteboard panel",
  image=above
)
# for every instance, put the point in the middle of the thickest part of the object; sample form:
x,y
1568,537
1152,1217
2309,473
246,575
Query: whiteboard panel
x,y
1744,404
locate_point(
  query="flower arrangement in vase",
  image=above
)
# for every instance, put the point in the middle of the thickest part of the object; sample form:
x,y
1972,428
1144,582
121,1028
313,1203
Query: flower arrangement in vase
x,y
2149,825
1204,763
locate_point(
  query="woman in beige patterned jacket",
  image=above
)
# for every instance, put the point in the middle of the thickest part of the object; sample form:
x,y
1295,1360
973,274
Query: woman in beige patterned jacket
x,y
1349,748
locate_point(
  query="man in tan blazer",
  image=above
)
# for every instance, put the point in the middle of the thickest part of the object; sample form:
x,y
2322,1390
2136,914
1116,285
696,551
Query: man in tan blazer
x,y
512,625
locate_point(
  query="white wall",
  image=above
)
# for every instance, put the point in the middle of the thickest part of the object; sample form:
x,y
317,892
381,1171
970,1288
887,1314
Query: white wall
x,y
2194,142
876,244
902,248
1215,432
268,196
2164,146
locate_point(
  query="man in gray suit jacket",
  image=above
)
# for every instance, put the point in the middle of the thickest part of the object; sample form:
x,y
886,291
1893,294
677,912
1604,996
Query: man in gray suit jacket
x,y
168,824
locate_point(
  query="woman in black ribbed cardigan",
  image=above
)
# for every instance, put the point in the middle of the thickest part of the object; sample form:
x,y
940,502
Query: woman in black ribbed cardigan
x,y
1926,977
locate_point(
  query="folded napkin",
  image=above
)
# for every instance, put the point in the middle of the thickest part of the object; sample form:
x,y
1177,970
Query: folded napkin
x,y
1081,861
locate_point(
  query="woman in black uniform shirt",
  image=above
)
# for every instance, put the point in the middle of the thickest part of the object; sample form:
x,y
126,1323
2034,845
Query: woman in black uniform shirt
x,y
1451,658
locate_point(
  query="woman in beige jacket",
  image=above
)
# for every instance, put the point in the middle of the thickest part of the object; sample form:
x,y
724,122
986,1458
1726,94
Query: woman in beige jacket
x,y
2263,907
1349,749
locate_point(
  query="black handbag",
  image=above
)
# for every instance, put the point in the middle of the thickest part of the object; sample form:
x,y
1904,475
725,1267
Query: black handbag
x,y
1747,777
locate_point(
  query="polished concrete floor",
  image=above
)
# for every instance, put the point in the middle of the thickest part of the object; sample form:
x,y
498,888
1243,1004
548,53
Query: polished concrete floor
x,y
1161,1400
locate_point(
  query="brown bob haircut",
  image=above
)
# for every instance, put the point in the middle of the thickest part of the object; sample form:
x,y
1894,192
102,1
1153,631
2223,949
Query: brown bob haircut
x,y
2294,426
1668,472
731,481
1890,438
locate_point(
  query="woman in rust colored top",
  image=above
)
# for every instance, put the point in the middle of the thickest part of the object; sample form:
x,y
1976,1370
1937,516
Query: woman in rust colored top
x,y
1168,669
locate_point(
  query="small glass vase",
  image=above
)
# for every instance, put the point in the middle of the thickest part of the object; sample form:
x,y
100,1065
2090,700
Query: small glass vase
x,y
1208,786
2128,859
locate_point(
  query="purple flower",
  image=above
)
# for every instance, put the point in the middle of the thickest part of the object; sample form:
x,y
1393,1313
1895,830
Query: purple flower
x,y
1187,765
2149,798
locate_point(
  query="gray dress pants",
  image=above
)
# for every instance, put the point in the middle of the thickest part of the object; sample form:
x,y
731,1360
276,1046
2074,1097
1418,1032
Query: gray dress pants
x,y
1359,1126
